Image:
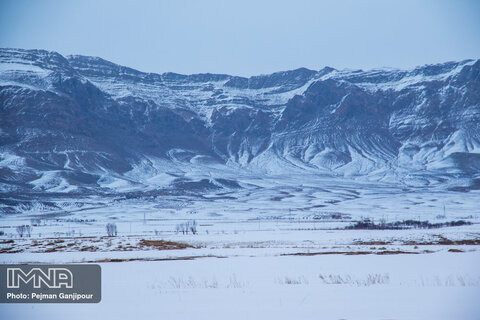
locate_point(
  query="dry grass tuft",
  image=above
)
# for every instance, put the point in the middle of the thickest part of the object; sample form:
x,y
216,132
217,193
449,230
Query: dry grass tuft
x,y
292,280
369,280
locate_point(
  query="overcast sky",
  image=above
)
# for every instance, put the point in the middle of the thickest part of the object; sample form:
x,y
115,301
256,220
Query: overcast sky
x,y
245,37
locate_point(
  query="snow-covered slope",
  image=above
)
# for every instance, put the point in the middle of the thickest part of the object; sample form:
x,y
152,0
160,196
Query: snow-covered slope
x,y
83,124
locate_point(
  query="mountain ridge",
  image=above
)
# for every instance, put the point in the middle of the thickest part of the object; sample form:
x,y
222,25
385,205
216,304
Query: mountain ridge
x,y
79,123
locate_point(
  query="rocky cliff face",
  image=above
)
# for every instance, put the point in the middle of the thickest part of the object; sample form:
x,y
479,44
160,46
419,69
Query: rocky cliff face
x,y
82,124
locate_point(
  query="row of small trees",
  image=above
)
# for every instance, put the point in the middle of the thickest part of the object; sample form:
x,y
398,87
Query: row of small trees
x,y
111,229
185,228
24,230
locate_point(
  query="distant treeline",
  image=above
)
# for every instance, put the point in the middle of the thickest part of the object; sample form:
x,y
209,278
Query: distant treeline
x,y
368,224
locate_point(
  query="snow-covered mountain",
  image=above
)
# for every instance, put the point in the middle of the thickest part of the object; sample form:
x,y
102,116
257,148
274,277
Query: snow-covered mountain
x,y
83,124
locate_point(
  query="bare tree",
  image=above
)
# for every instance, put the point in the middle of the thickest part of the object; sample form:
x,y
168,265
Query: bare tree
x,y
28,230
177,229
20,231
193,226
24,230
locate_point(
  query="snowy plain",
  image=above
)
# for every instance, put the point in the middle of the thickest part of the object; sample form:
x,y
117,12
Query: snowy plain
x,y
279,253
430,286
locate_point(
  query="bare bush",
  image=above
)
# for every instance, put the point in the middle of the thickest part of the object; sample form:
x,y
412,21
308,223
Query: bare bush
x,y
70,233
234,283
36,222
111,229
191,283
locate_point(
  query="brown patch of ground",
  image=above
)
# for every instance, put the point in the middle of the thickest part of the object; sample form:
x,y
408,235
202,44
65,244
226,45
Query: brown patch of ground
x,y
10,250
396,252
88,248
165,245
446,242
469,242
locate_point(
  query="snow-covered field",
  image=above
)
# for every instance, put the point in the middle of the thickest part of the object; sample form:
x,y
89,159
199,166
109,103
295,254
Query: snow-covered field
x,y
280,252
426,286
